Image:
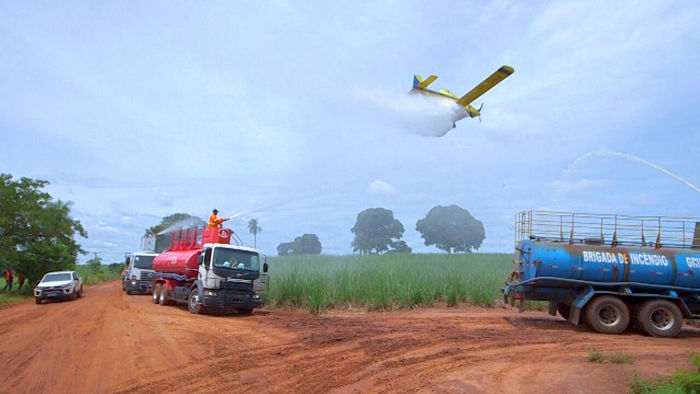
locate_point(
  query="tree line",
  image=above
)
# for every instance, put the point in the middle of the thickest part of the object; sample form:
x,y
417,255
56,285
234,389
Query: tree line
x,y
37,234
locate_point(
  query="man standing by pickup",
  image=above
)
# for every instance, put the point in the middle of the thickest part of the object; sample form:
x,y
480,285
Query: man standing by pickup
x,y
9,276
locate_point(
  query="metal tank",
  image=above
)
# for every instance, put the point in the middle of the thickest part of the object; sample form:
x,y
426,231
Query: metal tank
x,y
185,247
608,263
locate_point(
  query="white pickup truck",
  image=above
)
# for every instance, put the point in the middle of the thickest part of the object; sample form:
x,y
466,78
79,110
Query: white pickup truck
x,y
59,285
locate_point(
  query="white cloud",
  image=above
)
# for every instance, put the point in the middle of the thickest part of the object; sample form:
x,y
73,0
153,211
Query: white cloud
x,y
381,188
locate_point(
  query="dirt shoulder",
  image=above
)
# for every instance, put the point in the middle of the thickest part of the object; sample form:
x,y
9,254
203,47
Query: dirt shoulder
x,y
110,342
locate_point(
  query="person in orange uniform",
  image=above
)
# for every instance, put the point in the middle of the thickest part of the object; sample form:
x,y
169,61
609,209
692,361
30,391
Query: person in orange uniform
x,y
215,221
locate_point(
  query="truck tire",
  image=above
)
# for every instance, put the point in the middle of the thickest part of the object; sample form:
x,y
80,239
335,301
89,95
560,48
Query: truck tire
x,y
37,300
608,315
163,296
156,292
245,311
194,304
80,292
660,318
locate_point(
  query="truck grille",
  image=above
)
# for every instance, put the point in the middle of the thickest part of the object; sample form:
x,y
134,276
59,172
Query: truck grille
x,y
146,275
245,287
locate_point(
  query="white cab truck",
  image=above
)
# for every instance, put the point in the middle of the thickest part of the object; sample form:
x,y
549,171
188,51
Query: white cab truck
x,y
139,272
65,285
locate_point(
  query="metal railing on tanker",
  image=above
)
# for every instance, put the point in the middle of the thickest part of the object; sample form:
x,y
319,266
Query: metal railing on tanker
x,y
604,229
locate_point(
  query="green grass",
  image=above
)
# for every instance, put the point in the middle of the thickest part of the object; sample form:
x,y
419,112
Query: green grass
x,y
91,276
595,356
680,382
385,282
13,297
621,358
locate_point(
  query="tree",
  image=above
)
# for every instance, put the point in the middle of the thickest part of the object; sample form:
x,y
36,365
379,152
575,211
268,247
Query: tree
x,y
37,234
254,229
169,224
306,244
376,230
451,229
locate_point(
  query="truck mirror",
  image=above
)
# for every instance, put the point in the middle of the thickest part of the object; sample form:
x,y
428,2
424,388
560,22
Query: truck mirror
x,y
265,267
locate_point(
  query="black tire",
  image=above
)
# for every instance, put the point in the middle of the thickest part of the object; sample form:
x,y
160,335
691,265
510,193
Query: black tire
x,y
194,304
80,292
660,318
163,296
156,292
128,292
245,311
563,310
37,300
608,315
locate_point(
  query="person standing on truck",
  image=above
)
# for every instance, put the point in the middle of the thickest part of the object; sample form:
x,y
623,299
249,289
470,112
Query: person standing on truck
x,y
214,220
9,275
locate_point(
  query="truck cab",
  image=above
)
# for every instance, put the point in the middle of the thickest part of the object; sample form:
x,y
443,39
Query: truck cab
x,y
138,272
230,278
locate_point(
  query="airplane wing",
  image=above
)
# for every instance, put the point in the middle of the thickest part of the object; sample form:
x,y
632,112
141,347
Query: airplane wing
x,y
493,80
419,83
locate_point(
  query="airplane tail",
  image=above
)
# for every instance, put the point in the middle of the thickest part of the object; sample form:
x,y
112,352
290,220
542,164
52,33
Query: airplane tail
x,y
419,83
417,80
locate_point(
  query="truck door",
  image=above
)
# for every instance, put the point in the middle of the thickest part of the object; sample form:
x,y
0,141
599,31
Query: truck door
x,y
206,264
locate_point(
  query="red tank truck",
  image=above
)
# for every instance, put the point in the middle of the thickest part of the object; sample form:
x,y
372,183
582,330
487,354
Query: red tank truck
x,y
205,271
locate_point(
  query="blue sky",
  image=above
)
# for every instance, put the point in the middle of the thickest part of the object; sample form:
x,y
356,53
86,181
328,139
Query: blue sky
x,y
298,112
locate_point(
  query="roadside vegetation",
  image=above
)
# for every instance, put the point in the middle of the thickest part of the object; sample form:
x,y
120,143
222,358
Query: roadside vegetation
x,y
98,274
385,282
682,381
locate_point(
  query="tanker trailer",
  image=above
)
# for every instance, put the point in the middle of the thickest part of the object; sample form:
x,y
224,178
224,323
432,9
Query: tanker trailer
x,y
203,270
609,271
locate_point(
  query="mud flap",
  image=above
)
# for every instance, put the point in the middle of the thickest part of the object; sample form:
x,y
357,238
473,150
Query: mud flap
x,y
579,302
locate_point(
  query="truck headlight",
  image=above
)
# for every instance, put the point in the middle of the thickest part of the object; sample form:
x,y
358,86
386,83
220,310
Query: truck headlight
x,y
211,293
133,283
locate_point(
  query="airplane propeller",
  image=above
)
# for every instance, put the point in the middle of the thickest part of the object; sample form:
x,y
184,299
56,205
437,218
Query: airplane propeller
x,y
480,107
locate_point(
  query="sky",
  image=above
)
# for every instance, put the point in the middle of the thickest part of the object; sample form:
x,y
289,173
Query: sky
x,y
296,113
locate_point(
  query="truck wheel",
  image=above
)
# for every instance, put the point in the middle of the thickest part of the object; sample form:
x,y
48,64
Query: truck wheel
x,y
563,310
163,296
37,300
80,292
156,292
245,311
660,318
608,315
194,304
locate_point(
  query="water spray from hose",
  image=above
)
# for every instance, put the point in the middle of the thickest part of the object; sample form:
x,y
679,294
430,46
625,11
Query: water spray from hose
x,y
633,158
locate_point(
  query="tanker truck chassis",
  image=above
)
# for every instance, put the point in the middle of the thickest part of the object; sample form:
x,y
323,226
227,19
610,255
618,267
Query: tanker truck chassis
x,y
208,274
609,271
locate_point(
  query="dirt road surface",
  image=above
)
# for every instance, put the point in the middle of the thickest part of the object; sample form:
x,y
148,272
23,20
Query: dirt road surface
x,y
110,342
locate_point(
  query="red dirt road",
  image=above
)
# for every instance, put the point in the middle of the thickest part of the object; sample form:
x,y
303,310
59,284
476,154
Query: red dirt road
x,y
110,342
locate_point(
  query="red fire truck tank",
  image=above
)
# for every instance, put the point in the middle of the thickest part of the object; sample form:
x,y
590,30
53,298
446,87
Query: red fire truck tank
x,y
181,257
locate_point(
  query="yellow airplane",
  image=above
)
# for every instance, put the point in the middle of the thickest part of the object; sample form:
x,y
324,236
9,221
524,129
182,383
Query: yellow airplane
x,y
420,85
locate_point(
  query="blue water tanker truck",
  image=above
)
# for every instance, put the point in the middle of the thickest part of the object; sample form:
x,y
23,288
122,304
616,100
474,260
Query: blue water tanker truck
x,y
609,271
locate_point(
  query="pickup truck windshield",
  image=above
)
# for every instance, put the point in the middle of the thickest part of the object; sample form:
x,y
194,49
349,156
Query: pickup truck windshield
x,y
236,259
144,262
56,277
